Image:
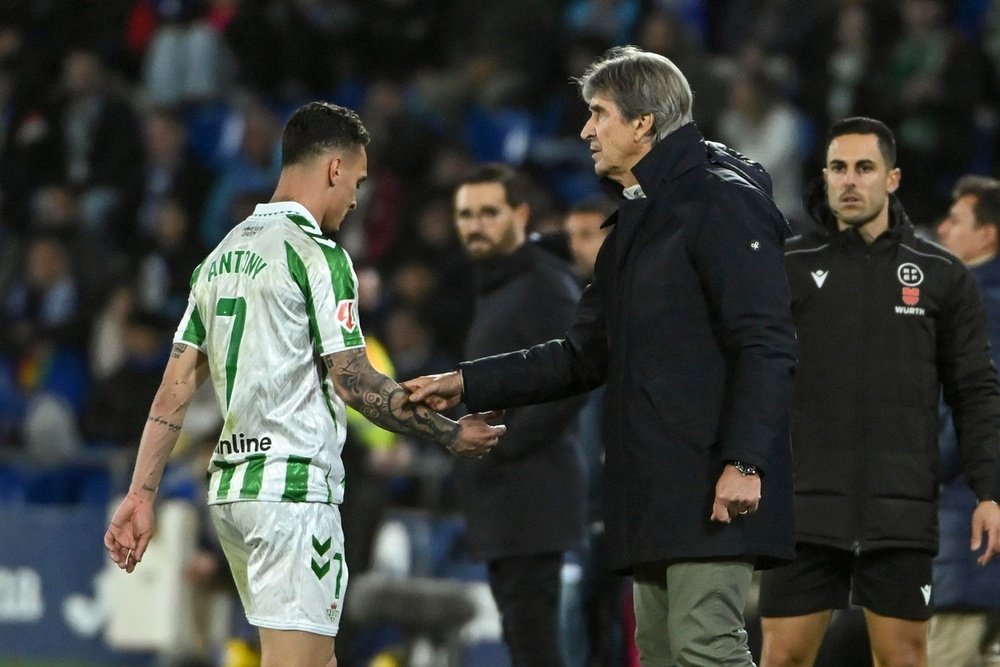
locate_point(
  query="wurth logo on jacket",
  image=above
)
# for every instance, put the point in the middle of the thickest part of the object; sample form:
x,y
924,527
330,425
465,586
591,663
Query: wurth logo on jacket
x,y
882,328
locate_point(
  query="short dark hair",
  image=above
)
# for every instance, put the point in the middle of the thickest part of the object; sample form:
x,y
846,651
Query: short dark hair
x,y
986,190
514,186
318,127
862,125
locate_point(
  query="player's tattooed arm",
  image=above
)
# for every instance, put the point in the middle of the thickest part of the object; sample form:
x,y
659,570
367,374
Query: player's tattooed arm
x,y
380,399
186,370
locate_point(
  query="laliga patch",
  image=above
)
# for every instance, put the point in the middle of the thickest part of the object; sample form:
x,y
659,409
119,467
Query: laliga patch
x,y
346,314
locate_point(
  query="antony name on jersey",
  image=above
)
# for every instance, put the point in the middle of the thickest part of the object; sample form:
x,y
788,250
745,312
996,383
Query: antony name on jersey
x,y
273,297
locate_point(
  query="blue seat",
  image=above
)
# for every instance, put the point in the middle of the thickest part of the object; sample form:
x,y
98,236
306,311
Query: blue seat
x,y
485,654
67,485
204,124
12,487
498,135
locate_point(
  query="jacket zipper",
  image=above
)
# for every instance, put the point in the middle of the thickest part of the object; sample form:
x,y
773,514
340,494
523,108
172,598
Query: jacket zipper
x,y
862,406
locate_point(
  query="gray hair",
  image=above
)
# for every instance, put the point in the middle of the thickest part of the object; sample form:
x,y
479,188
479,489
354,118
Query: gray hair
x,y
640,82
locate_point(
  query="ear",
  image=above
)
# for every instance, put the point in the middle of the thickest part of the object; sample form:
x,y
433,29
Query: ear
x,y
643,127
333,171
992,234
522,213
893,179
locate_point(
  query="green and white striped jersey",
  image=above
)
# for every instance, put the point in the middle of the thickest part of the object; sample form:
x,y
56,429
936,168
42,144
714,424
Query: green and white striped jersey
x,y
273,297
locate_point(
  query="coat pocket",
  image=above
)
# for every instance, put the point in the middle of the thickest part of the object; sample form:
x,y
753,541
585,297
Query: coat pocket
x,y
683,414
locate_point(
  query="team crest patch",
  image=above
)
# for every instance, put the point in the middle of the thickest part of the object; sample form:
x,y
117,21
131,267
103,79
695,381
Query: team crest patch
x,y
909,275
347,314
333,612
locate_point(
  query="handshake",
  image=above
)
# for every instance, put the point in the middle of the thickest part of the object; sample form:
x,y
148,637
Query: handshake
x,y
475,436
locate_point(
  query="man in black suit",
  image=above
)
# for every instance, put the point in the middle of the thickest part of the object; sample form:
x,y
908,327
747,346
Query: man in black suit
x,y
688,323
524,505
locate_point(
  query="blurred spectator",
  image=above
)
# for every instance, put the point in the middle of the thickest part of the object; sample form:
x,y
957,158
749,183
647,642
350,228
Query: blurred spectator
x,y
843,79
430,273
486,47
23,149
304,39
107,338
412,344
379,206
523,504
758,122
172,170
591,627
252,168
44,370
98,144
185,60
401,141
55,211
772,24
44,303
966,595
663,32
117,406
401,33
165,268
556,150
933,84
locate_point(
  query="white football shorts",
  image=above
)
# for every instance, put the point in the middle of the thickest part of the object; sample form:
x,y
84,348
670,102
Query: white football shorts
x,y
287,560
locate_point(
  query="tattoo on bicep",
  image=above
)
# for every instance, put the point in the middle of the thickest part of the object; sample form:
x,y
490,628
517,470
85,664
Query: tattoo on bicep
x,y
156,419
384,402
178,350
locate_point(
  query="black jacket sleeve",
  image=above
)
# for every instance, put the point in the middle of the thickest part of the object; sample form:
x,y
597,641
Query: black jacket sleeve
x,y
740,260
547,371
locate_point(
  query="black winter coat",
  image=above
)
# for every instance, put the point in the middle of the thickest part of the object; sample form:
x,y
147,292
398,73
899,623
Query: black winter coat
x,y
882,329
528,495
688,322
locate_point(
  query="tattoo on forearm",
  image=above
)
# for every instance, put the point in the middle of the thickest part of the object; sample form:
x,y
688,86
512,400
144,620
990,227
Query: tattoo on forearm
x,y
384,402
178,350
156,419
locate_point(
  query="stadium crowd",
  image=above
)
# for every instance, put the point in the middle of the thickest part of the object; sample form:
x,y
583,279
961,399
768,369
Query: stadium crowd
x,y
135,133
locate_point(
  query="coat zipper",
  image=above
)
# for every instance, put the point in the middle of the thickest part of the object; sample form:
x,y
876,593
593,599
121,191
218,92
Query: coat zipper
x,y
862,405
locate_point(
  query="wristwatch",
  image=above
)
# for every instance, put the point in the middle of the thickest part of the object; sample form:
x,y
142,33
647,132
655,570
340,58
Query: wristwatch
x,y
746,469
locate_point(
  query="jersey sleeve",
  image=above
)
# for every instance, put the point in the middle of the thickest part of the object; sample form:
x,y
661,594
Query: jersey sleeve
x,y
329,285
191,330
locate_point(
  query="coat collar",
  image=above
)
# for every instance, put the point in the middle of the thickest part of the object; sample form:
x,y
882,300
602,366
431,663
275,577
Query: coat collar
x,y
681,150
900,229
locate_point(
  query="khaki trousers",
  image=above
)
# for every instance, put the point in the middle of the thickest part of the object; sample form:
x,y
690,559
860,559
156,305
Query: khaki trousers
x,y
691,614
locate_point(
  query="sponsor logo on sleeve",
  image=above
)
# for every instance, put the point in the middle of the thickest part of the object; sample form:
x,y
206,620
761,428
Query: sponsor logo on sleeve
x,y
346,314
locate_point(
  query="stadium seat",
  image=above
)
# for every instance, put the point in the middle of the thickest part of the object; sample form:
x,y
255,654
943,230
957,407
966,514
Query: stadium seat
x,y
498,135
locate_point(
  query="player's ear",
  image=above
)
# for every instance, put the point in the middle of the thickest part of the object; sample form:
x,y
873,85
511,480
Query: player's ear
x,y
333,171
